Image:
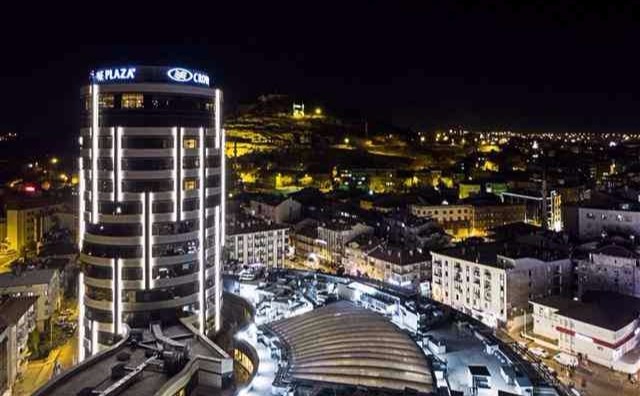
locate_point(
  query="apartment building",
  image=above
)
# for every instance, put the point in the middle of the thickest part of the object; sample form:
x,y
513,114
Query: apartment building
x,y
494,282
610,268
255,241
43,284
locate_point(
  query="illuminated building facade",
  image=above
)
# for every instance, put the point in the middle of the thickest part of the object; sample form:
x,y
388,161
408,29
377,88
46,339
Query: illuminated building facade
x,y
151,202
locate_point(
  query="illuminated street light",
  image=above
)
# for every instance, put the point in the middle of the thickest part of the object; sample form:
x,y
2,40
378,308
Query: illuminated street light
x,y
318,111
346,140
54,160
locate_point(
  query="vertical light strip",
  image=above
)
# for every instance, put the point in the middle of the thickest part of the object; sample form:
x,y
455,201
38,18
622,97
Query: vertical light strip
x,y
218,286
117,297
145,232
94,337
114,191
217,119
94,152
150,260
202,236
223,189
81,317
180,171
81,202
117,154
174,133
114,291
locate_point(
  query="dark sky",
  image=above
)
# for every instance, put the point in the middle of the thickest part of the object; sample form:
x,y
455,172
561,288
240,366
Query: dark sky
x,y
540,66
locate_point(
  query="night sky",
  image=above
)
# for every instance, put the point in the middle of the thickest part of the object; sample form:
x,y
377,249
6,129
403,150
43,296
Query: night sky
x,y
560,67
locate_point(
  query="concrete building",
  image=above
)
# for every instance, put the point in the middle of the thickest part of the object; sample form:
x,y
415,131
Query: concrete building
x,y
494,282
276,209
333,236
604,327
456,220
590,220
255,241
152,201
43,284
28,220
399,266
17,321
544,212
356,257
489,214
610,268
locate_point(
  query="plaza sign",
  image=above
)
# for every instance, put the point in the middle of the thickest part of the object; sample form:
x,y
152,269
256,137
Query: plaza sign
x,y
117,74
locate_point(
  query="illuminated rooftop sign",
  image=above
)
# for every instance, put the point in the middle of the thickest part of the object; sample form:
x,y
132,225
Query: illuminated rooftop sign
x,y
151,74
179,74
123,73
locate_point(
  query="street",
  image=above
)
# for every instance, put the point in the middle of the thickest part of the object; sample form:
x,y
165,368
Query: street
x,y
6,260
38,372
588,378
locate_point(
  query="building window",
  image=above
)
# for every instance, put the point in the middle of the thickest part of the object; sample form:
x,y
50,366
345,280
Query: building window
x,y
107,101
190,184
190,143
132,100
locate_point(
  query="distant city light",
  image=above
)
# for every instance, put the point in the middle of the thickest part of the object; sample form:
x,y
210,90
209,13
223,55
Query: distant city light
x,y
318,111
54,160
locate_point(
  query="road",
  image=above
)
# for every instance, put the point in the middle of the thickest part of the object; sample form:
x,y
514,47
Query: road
x,y
6,260
589,378
38,372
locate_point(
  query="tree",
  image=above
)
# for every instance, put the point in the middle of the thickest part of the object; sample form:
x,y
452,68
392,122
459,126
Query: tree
x,y
34,343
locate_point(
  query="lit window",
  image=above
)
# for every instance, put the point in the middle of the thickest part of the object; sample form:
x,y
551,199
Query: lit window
x,y
190,143
107,101
132,100
190,184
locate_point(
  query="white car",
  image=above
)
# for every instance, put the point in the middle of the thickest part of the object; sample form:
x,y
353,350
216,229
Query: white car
x,y
566,360
539,352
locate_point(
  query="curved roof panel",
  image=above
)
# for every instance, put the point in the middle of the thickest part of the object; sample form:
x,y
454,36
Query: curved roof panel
x,y
345,344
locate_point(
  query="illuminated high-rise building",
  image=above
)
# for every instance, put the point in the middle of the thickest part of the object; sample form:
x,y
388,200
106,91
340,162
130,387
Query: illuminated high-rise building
x,y
151,202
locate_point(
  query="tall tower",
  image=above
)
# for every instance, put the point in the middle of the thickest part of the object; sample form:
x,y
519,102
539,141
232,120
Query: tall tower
x,y
152,202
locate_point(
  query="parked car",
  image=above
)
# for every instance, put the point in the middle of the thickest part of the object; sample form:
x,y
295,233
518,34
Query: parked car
x,y
566,360
539,352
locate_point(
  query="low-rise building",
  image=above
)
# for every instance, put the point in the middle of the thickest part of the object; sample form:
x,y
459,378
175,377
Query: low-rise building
x,y
603,327
488,214
28,220
17,321
610,268
333,236
43,284
546,212
276,208
255,241
399,266
356,255
591,220
494,282
455,219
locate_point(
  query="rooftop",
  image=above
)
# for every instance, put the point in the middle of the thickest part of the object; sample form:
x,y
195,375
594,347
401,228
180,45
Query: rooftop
x,y
26,278
488,253
248,225
399,255
605,309
95,373
617,251
349,345
13,308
